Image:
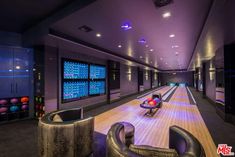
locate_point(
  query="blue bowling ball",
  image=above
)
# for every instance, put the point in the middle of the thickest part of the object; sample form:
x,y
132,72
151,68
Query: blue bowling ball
x,y
14,108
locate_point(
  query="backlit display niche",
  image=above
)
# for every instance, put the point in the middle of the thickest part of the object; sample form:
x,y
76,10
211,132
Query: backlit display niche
x,y
81,80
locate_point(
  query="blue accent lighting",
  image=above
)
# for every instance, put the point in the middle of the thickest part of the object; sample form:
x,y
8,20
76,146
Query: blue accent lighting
x,y
126,26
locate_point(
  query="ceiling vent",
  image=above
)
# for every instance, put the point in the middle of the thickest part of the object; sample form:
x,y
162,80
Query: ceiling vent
x,y
85,28
161,3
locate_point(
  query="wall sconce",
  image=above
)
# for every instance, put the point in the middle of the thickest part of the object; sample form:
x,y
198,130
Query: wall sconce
x,y
129,74
146,76
212,73
155,76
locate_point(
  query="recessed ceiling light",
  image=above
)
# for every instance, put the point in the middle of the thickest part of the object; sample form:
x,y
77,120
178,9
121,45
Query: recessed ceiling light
x,y
141,56
146,46
175,46
176,53
166,63
98,35
161,58
172,35
166,14
17,67
151,50
119,46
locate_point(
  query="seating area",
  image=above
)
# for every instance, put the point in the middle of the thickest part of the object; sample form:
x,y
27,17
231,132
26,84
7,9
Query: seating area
x,y
181,143
65,133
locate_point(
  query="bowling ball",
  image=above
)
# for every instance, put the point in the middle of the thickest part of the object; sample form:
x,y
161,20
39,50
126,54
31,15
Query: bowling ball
x,y
154,102
157,100
14,100
151,103
149,99
37,107
3,102
24,107
24,100
14,108
3,109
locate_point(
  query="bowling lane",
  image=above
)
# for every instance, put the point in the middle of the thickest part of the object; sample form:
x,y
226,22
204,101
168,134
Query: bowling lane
x,y
154,130
162,91
180,97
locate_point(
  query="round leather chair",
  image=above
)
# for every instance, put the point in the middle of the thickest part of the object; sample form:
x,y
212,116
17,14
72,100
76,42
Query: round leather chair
x,y
181,144
65,134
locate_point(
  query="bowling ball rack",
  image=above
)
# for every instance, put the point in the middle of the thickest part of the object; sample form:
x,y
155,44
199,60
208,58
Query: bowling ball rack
x,y
14,108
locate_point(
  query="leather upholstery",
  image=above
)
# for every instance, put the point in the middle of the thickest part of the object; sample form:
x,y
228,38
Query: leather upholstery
x,y
71,137
185,143
182,144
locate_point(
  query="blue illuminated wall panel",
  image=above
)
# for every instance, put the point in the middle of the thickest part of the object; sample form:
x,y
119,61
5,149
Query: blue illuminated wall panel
x,y
97,87
75,70
75,90
97,72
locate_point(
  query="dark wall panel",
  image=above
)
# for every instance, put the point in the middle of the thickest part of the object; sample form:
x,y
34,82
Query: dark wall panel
x,y
210,86
10,39
147,79
129,80
186,77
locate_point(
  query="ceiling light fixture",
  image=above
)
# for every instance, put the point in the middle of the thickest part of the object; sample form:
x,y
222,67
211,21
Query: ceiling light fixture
x,y
146,46
17,67
166,14
98,35
176,53
151,50
175,46
172,35
161,59
141,56
126,26
119,46
142,41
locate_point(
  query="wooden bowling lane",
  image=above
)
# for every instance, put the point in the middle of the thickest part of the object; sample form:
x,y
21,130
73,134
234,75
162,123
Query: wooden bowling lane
x,y
162,91
154,130
180,96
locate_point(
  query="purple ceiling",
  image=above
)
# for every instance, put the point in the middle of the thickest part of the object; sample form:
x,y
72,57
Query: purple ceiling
x,y
106,17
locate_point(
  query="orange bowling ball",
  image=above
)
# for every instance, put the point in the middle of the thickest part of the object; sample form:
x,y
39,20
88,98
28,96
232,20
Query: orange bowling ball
x,y
152,103
24,100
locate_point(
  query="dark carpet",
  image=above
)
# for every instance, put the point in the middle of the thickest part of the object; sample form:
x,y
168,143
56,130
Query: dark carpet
x,y
19,139
221,132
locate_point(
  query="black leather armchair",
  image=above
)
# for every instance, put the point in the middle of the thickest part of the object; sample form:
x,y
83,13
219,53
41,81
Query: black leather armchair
x,y
185,143
182,144
65,134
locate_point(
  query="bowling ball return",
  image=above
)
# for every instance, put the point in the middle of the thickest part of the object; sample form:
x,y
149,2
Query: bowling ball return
x,y
151,104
